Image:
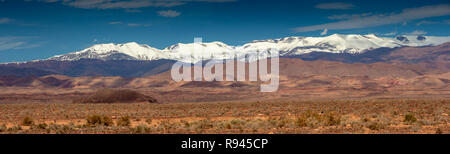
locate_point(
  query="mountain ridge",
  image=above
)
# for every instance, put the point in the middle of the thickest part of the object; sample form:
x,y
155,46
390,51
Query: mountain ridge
x,y
288,46
431,57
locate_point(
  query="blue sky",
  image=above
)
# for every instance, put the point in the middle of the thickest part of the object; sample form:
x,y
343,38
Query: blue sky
x,y
38,29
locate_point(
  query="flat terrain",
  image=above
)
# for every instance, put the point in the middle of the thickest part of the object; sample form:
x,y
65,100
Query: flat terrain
x,y
362,116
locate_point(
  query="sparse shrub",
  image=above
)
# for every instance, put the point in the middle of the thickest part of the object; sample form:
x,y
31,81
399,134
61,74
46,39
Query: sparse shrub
x,y
439,131
124,121
148,121
141,129
184,122
301,121
332,119
280,122
375,126
409,118
283,122
204,124
95,120
27,121
366,119
228,126
314,119
3,128
40,126
14,128
60,129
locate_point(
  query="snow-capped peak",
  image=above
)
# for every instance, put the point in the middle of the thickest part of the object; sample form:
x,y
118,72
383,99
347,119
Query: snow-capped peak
x,y
111,51
193,52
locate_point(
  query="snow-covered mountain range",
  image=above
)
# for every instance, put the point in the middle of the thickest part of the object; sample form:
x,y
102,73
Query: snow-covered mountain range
x,y
289,46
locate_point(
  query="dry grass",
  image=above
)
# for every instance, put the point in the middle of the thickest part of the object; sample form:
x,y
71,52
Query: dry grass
x,y
124,121
366,116
98,120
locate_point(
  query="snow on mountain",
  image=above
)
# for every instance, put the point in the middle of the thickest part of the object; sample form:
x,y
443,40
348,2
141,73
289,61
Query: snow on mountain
x,y
129,51
288,46
197,51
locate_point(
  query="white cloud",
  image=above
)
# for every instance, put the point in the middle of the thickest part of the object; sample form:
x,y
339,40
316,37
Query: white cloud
x,y
4,20
426,22
390,34
325,31
382,19
169,13
404,23
127,4
14,43
129,24
348,16
335,6
133,11
417,32
138,25
115,23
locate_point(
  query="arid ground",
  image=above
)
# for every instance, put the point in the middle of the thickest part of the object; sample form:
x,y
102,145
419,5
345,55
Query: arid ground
x,y
273,117
313,97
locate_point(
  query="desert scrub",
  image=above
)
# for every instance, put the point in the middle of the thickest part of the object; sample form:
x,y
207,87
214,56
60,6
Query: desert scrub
x,y
314,119
409,118
123,121
301,121
373,125
439,131
97,120
60,129
39,126
332,119
238,123
27,121
141,129
204,124
280,122
14,128
148,121
3,128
